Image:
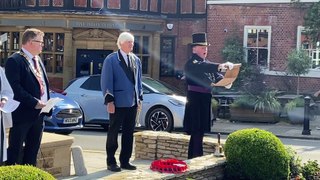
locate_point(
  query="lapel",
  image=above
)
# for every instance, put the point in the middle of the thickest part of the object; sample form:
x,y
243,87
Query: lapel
x,y
26,61
127,71
33,70
133,64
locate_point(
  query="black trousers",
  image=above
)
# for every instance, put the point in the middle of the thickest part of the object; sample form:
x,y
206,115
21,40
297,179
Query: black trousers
x,y
195,145
123,118
29,133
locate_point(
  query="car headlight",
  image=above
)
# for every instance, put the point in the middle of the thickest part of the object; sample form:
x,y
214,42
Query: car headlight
x,y
176,102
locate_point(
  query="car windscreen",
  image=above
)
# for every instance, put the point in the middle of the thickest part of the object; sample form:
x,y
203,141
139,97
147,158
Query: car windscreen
x,y
161,87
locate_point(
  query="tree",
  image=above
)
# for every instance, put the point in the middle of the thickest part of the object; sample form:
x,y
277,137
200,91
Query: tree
x,y
299,63
312,22
233,51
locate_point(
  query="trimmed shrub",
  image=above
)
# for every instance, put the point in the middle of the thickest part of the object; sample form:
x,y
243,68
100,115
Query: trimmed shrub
x,y
20,172
256,154
295,163
311,169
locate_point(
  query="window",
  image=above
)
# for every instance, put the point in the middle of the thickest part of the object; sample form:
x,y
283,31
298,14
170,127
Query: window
x,y
97,3
80,3
306,44
92,83
15,40
52,55
141,49
31,3
58,3
167,56
257,43
44,3
10,46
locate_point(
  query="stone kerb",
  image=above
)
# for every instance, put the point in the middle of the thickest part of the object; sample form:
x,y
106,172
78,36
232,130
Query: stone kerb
x,y
152,145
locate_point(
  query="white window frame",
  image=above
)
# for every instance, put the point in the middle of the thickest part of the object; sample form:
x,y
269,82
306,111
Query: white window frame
x,y
312,73
311,51
245,41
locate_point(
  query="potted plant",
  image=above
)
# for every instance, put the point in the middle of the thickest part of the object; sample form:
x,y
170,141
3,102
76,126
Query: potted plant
x,y
295,110
263,107
299,63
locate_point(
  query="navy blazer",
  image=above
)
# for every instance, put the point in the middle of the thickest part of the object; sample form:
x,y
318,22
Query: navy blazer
x,y
25,86
118,82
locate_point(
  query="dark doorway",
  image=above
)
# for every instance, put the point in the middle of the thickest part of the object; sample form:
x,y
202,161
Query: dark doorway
x,y
90,61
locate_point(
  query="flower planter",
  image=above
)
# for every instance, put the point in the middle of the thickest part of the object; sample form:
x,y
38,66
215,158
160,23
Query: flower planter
x,y
296,115
248,115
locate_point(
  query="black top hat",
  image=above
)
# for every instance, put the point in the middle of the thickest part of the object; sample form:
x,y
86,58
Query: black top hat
x,y
199,39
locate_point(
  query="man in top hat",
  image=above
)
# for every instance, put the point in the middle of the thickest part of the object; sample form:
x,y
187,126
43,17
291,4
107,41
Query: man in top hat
x,y
200,74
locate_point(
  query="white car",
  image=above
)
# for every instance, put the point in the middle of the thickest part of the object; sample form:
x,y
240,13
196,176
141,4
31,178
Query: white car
x,y
162,108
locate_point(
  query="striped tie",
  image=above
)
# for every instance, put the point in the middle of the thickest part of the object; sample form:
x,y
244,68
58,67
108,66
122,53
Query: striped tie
x,y
38,75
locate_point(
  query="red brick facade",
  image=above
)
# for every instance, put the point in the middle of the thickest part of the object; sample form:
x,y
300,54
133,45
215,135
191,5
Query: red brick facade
x,y
224,20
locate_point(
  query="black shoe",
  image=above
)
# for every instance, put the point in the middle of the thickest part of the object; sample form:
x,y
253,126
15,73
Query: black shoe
x,y
114,168
128,166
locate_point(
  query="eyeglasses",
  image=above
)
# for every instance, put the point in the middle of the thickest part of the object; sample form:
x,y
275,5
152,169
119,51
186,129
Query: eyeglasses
x,y
41,42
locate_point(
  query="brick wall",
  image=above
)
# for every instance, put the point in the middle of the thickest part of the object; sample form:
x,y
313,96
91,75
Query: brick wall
x,y
156,145
289,84
153,145
283,19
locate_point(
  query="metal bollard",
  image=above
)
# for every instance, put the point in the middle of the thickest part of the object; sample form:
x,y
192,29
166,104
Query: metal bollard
x,y
306,121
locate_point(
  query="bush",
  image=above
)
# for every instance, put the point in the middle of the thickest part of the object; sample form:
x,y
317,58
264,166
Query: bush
x,y
256,154
19,172
310,170
295,163
297,102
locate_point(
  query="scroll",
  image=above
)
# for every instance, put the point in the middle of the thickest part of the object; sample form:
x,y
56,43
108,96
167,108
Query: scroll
x,y
229,77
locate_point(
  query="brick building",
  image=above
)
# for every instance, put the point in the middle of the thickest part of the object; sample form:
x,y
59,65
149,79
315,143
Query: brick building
x,y
79,34
270,30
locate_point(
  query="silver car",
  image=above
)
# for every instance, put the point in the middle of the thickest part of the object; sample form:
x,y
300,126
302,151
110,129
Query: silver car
x,y
162,108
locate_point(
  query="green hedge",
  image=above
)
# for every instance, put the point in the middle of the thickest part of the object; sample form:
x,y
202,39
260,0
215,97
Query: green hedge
x,y
256,154
20,172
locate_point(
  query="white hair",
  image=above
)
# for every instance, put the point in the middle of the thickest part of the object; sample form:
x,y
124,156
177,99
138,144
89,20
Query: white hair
x,y
124,36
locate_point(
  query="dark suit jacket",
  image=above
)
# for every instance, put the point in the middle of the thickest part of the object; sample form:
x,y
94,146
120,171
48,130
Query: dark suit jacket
x,y
25,87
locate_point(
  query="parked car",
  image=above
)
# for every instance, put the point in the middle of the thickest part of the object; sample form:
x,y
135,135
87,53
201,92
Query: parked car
x,y
162,109
66,116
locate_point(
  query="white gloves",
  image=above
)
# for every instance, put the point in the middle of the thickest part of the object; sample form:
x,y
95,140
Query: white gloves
x,y
228,65
228,86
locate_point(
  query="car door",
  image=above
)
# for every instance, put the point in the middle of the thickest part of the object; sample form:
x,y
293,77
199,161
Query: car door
x,y
92,102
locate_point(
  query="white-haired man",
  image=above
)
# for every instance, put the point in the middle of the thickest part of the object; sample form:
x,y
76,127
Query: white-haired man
x,y
122,89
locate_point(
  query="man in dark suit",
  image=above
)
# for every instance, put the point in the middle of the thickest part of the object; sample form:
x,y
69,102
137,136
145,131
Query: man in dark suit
x,y
27,77
122,88
200,75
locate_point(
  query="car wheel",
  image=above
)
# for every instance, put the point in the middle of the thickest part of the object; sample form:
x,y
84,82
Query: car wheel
x,y
159,119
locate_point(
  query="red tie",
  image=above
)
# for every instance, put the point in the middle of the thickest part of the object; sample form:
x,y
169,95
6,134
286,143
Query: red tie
x,y
38,74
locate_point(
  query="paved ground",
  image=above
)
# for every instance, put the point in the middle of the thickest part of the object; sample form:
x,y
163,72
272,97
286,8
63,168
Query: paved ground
x,y
95,160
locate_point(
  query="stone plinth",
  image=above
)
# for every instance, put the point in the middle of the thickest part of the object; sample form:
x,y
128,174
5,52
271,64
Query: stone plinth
x,y
55,154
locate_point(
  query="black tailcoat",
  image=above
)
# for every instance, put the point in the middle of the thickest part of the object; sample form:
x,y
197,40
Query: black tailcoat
x,y
199,73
